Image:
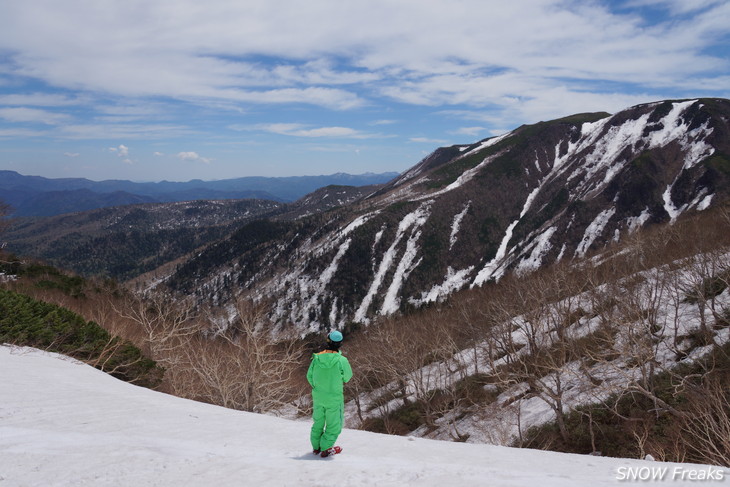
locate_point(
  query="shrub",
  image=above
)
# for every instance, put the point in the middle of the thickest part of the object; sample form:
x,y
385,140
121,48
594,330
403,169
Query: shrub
x,y
25,321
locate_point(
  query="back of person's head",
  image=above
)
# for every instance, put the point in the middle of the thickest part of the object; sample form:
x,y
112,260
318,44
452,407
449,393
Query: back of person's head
x,y
334,340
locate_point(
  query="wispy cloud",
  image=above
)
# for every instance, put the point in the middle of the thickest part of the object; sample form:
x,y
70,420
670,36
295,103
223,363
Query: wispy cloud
x,y
38,99
383,122
102,130
426,140
301,130
32,115
471,131
676,6
22,133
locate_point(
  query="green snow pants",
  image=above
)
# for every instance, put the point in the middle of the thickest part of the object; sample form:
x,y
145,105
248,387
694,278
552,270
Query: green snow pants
x,y
327,426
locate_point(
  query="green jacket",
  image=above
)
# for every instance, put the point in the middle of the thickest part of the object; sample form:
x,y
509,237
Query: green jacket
x,y
327,373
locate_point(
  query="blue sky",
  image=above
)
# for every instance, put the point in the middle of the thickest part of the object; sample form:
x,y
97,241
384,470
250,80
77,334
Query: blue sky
x,y
181,89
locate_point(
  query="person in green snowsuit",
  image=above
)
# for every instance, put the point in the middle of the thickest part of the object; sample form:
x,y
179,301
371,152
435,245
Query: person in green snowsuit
x,y
327,373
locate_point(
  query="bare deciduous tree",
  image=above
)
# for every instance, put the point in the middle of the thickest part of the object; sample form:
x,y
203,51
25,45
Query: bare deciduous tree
x,y
537,347
707,424
167,322
266,366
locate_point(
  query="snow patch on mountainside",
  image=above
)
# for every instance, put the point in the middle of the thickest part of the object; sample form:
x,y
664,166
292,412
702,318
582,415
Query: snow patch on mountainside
x,y
463,178
413,220
488,143
303,292
327,274
538,249
391,301
704,203
492,269
496,267
594,230
453,281
636,222
456,225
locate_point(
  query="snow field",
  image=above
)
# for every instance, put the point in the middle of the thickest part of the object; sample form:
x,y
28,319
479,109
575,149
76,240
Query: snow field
x,y
66,424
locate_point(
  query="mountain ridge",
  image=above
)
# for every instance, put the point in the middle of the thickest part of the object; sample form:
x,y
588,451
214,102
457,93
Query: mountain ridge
x,y
467,214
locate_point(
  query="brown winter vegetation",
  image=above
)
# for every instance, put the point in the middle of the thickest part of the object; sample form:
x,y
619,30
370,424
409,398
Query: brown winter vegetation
x,y
531,331
240,366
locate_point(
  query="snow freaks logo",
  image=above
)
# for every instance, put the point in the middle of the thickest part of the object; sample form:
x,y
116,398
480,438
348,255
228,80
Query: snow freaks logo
x,y
669,474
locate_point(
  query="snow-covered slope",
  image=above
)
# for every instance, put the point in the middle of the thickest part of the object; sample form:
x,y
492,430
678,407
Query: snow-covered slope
x,y
63,423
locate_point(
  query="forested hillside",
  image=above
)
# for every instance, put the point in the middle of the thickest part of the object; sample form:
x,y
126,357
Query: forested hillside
x,y
127,241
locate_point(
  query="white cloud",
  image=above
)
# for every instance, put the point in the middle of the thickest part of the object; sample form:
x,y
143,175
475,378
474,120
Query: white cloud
x,y
121,151
121,131
426,140
193,156
184,50
71,154
37,99
471,131
32,115
300,130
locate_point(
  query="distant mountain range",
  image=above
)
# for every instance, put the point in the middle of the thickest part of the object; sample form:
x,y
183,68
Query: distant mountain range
x,y
39,196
